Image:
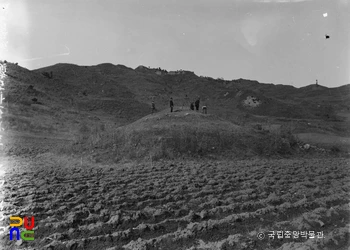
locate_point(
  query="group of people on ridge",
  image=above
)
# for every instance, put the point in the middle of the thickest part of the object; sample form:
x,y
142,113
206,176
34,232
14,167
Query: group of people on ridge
x,y
192,106
195,104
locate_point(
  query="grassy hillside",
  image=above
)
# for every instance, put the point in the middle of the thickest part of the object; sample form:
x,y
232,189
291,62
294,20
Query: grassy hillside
x,y
144,85
68,101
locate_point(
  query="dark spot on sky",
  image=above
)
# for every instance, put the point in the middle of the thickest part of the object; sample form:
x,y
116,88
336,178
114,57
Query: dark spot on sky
x,y
327,36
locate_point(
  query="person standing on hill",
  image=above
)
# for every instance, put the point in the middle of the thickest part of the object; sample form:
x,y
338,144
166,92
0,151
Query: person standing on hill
x,y
171,104
197,104
192,106
204,109
153,107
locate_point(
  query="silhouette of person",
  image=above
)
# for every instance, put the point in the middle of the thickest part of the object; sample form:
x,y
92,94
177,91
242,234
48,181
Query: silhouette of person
x,y
153,107
204,108
197,104
192,106
171,104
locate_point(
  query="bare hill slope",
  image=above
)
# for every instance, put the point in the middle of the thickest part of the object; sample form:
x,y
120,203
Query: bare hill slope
x,y
63,100
156,84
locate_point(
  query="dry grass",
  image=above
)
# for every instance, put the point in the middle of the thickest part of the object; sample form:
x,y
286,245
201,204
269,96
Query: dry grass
x,y
185,134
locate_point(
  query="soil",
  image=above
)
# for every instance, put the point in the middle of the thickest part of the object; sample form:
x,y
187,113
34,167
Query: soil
x,y
178,204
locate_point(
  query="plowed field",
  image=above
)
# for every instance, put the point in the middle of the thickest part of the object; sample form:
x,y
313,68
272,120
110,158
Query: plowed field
x,y
179,205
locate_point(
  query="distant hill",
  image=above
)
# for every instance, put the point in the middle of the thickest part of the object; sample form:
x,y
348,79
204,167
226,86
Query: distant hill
x,y
126,93
138,87
61,98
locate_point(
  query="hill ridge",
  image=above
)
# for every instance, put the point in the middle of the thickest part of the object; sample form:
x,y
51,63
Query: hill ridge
x,y
143,85
187,71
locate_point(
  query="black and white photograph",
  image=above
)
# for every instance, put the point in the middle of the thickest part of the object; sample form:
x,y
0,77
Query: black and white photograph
x,y
174,124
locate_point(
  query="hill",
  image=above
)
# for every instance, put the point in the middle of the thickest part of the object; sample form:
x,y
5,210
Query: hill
x,y
117,81
64,100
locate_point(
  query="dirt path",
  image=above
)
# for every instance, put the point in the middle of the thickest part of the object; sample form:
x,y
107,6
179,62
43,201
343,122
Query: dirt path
x,y
178,205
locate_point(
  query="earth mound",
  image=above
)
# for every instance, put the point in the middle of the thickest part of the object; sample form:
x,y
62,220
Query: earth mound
x,y
184,133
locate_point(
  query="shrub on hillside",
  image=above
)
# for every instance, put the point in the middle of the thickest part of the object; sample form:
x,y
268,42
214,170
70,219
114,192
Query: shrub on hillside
x,y
283,143
47,74
335,149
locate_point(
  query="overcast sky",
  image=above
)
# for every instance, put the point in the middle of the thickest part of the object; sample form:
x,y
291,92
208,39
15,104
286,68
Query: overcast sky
x,y
272,41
